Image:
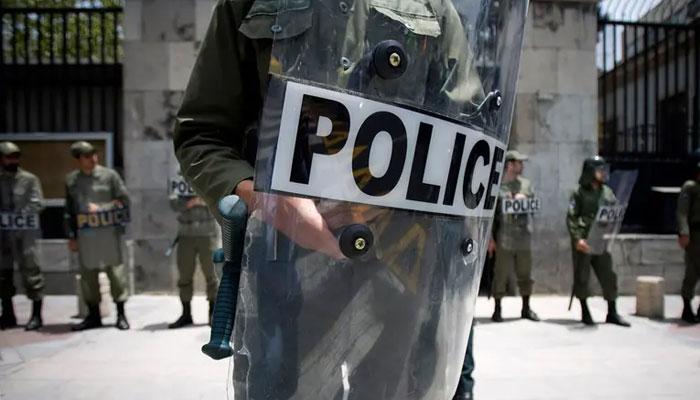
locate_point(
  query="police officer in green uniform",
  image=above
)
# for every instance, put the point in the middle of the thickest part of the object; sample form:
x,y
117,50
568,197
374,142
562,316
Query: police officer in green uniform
x,y
91,189
688,216
196,237
591,193
513,237
20,192
215,137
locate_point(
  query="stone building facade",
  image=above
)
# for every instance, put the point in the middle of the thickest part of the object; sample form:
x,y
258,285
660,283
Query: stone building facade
x,y
555,123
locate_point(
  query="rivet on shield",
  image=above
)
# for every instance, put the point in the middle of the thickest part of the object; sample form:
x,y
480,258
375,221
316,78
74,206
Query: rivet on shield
x,y
343,7
345,62
467,247
360,243
395,59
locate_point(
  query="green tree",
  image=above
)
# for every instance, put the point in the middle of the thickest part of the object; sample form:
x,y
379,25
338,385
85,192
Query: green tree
x,y
70,31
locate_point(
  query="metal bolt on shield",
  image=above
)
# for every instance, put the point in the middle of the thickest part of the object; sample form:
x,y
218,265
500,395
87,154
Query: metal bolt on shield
x,y
360,243
395,59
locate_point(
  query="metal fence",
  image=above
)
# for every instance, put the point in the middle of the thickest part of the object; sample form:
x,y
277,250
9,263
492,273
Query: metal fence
x,y
649,110
648,89
60,69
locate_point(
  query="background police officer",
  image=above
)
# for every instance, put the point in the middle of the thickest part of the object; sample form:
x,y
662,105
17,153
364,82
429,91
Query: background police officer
x,y
688,216
513,239
196,237
20,192
90,189
591,193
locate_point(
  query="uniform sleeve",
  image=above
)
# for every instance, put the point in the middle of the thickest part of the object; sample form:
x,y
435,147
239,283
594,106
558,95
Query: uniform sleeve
x,y
683,209
210,126
69,216
119,191
36,197
178,204
464,85
573,217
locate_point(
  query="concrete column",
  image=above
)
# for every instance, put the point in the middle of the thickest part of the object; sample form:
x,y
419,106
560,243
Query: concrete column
x,y
160,46
555,123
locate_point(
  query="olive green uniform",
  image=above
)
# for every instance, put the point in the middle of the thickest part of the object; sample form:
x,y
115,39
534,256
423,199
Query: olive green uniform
x,y
224,99
688,216
513,240
20,192
583,209
196,237
98,248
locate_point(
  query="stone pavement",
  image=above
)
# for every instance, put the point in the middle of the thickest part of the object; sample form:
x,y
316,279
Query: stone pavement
x,y
554,359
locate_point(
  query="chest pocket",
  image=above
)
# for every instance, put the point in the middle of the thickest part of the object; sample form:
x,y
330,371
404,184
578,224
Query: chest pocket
x,y
286,19
415,15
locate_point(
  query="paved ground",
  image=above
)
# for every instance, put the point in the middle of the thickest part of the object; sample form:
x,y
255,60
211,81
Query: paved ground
x,y
555,359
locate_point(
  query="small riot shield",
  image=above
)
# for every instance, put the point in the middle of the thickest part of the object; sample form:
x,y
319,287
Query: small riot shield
x,y
515,214
384,131
611,212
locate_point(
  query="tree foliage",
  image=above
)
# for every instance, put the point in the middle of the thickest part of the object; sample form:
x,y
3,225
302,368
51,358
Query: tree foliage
x,y
66,31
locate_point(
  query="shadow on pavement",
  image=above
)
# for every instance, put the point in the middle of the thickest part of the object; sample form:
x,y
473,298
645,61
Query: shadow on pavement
x,y
163,326
570,324
486,320
56,329
671,321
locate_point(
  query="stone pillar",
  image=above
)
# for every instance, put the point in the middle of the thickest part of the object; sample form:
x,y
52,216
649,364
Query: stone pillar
x,y
160,46
555,123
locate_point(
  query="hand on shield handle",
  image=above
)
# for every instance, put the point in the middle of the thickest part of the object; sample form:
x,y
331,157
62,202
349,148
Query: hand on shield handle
x,y
295,217
73,245
520,196
93,208
194,202
684,241
583,247
492,247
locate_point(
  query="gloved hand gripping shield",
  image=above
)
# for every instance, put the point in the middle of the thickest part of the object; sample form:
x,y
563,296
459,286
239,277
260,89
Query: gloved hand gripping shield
x,y
380,151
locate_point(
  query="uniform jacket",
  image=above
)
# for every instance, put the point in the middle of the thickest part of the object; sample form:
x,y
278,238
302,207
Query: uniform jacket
x,y
583,209
25,191
194,222
688,210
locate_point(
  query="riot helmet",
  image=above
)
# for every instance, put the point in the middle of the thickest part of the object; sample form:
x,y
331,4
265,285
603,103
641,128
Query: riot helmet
x,y
595,169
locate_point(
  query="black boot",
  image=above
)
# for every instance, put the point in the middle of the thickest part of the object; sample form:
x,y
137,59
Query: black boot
x,y
613,317
585,313
35,321
496,317
93,319
186,317
8,319
688,315
122,324
527,313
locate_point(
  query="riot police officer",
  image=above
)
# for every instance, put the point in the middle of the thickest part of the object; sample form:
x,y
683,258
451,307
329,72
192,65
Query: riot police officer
x,y
196,237
92,189
413,55
592,193
513,238
688,217
20,194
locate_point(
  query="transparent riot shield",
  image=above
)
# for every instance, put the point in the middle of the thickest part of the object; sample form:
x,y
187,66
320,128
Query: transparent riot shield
x,y
515,216
381,146
611,212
